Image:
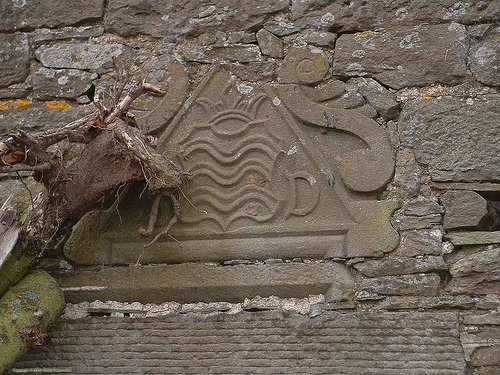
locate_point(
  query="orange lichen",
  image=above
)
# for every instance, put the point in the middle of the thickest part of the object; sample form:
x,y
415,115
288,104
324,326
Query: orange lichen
x,y
363,34
14,103
426,96
19,103
58,104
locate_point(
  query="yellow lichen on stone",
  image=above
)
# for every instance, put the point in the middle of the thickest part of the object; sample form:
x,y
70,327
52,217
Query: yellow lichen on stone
x,y
363,34
14,103
58,104
19,103
426,96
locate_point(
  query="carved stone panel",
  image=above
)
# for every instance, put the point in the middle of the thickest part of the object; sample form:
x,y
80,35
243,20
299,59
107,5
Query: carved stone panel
x,y
276,173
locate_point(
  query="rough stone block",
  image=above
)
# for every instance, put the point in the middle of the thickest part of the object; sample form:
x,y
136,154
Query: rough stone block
x,y
22,114
370,15
474,238
83,32
392,343
464,209
401,266
421,284
164,18
61,83
413,303
484,57
14,58
194,282
378,96
270,44
486,356
243,53
27,14
482,319
320,38
422,207
457,138
406,56
420,242
483,283
85,56
480,262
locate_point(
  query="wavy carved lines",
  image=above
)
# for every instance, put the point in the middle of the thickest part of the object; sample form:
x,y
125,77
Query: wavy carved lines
x,y
232,179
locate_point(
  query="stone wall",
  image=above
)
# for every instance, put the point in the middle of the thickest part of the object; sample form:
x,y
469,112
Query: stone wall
x,y
382,123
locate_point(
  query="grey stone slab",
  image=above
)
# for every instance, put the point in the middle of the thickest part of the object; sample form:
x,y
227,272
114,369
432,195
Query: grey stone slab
x,y
394,343
479,262
38,116
420,242
481,283
243,53
456,137
421,285
86,56
28,15
166,18
383,100
264,184
413,303
405,56
401,266
422,207
370,15
484,57
418,222
61,83
492,318
465,209
320,38
194,282
474,238
83,32
486,356
477,186
270,44
14,59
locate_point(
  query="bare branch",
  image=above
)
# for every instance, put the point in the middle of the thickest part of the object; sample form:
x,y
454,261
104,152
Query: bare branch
x,y
153,216
24,167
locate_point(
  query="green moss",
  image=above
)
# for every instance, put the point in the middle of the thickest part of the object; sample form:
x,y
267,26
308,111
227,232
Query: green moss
x,y
36,301
15,266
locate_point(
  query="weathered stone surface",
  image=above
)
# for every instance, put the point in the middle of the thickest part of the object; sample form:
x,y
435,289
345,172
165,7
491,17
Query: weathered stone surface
x,y
61,83
84,32
319,38
418,222
413,303
153,112
270,44
486,356
86,56
476,186
26,311
401,266
378,96
406,56
421,285
483,283
420,242
254,71
474,238
156,284
480,262
305,65
464,209
484,57
14,58
369,15
422,207
482,319
257,343
243,53
40,116
407,176
164,18
26,14
457,138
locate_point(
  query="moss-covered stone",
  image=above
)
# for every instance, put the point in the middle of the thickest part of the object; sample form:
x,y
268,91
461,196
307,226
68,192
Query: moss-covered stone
x,y
26,310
